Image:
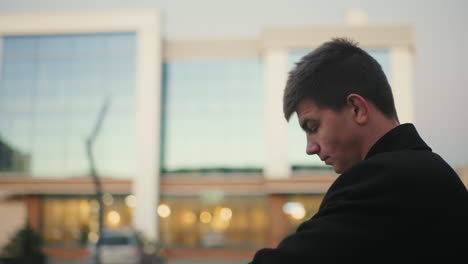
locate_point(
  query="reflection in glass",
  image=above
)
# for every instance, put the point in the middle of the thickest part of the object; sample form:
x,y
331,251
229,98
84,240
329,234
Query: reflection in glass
x,y
51,89
213,115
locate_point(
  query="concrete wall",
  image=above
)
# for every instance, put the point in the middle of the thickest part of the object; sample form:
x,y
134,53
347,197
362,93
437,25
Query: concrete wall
x,y
13,214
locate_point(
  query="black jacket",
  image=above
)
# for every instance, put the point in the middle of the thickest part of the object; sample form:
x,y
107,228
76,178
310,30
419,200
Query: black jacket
x,y
403,199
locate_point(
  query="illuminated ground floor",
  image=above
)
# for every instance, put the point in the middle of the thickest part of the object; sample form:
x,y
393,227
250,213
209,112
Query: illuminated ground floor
x,y
200,216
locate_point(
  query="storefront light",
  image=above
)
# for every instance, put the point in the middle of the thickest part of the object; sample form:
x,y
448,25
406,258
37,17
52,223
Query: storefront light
x,y
164,210
225,213
130,200
205,217
218,224
113,217
294,210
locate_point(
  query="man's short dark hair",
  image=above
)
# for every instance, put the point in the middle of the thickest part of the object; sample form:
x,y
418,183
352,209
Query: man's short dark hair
x,y
334,70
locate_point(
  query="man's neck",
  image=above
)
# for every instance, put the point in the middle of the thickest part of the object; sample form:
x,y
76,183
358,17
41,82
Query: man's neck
x,y
377,130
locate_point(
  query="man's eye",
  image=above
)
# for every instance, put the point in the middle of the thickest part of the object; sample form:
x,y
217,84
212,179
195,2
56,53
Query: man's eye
x,y
313,129
310,128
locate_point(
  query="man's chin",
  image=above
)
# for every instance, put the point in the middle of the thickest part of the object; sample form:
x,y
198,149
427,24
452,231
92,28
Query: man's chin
x,y
337,169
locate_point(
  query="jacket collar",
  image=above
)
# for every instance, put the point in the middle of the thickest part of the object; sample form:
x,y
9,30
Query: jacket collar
x,y
401,137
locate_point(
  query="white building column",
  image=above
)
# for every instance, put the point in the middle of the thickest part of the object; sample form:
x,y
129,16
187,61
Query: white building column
x,y
401,63
148,105
1,56
276,128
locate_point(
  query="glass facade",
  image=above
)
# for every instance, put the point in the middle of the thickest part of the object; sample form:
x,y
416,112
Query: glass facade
x,y
213,115
296,137
52,88
73,220
207,221
213,221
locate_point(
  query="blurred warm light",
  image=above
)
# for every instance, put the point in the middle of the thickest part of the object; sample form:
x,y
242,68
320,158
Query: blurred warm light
x,y
107,199
225,213
218,224
295,210
130,201
205,217
298,214
164,210
189,218
93,237
221,217
258,218
84,211
113,217
242,221
93,225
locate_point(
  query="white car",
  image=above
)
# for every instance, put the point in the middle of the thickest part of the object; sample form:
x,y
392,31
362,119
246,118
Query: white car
x,y
118,246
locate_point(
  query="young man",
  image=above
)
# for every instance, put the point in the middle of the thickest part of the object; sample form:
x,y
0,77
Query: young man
x,y
394,197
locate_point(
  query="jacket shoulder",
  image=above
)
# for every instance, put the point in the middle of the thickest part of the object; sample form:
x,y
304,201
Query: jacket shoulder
x,y
405,177
413,167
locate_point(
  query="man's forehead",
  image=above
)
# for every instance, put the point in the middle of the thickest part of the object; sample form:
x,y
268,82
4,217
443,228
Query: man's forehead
x,y
307,106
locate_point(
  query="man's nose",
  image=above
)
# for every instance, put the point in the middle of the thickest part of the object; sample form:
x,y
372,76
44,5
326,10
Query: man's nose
x,y
312,148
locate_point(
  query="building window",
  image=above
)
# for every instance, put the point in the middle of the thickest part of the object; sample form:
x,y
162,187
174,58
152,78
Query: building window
x,y
213,115
74,220
52,88
211,222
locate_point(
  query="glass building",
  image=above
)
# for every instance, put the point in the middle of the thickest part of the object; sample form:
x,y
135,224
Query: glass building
x,y
230,173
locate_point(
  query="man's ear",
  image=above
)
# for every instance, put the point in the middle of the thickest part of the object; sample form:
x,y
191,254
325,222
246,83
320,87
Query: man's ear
x,y
359,108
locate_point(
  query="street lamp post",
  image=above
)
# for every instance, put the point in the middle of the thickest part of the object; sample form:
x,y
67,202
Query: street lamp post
x,y
97,182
